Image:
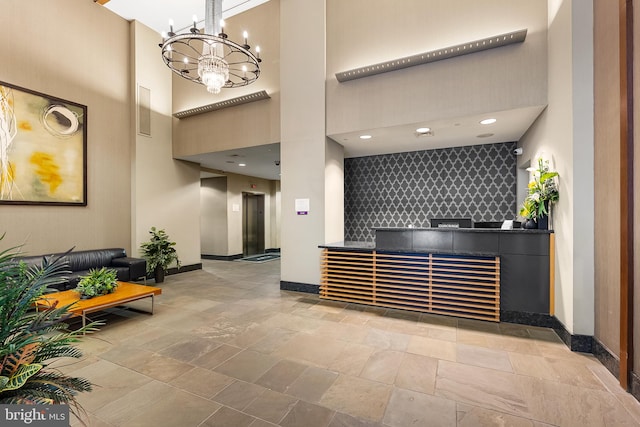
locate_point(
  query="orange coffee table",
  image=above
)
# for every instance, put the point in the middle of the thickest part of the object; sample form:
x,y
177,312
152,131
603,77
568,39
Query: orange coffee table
x,y
126,292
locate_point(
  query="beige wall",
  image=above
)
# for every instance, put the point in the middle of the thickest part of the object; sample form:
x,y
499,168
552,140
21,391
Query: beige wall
x,y
559,135
334,188
276,211
256,123
166,191
303,142
607,179
364,32
236,185
222,226
77,51
213,219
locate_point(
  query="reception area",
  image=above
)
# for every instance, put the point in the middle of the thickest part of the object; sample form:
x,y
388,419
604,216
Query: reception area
x,y
408,291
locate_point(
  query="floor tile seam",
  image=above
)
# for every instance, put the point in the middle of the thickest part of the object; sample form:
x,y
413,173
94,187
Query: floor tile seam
x,y
604,388
210,415
523,392
511,414
212,398
184,390
223,362
487,406
618,391
146,375
631,414
519,375
257,417
129,369
381,421
397,370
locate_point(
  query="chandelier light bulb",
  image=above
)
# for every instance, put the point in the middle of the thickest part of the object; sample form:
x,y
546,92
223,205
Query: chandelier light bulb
x,y
207,56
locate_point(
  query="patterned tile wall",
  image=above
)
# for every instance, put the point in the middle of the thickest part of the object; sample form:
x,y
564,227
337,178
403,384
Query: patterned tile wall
x,y
398,190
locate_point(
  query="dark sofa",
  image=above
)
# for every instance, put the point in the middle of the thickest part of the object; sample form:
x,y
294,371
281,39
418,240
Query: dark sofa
x,y
80,262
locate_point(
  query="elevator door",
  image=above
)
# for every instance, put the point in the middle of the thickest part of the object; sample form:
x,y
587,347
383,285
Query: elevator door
x,y
252,224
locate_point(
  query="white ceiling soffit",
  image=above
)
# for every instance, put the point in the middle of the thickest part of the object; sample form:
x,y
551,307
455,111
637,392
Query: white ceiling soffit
x,y
155,14
510,125
433,56
262,161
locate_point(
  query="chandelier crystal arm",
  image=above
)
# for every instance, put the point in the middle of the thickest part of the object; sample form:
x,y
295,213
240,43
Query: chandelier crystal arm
x,y
210,58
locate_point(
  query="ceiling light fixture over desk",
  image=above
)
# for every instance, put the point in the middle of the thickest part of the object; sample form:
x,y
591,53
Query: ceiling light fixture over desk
x,y
210,58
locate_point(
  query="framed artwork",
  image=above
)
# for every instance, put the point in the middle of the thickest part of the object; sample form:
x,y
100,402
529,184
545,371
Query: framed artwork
x,y
43,149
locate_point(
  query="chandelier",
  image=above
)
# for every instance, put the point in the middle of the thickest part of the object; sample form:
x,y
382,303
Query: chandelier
x,y
209,57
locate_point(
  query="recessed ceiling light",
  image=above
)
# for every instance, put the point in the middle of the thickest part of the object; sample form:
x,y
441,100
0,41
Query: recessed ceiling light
x,y
423,130
242,164
365,136
488,121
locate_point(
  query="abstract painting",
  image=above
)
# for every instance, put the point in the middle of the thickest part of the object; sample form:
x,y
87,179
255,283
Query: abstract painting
x,y
43,149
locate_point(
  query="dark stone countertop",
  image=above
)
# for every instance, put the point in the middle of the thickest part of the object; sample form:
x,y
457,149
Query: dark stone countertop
x,y
465,230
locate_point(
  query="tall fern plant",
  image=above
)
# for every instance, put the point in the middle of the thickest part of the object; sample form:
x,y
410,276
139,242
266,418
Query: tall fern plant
x,y
30,340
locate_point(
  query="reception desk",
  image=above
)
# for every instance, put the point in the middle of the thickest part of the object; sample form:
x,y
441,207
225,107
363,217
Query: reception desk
x,y
488,274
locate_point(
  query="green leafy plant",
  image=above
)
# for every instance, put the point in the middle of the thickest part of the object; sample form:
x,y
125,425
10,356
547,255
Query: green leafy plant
x,y
159,252
98,282
30,340
543,190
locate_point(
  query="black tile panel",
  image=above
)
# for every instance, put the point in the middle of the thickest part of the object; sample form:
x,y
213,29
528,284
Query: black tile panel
x,y
524,243
524,283
393,240
427,239
476,242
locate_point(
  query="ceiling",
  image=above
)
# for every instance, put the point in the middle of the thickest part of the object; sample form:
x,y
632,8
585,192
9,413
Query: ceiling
x,y
260,161
155,14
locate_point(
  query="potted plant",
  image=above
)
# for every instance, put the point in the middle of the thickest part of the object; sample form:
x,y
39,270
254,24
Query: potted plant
x,y
159,252
30,340
543,191
528,212
98,282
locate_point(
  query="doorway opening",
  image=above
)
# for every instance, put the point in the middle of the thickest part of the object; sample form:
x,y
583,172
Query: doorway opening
x,y
252,224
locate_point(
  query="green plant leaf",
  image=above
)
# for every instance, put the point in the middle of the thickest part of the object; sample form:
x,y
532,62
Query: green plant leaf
x,y
21,376
30,338
159,251
23,356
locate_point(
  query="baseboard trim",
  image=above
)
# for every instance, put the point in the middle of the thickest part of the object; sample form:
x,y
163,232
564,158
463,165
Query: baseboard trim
x,y
533,319
299,287
581,343
221,257
606,357
635,386
185,268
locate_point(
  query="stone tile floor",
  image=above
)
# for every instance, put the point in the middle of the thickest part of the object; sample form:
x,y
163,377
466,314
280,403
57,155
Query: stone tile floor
x,y
226,347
